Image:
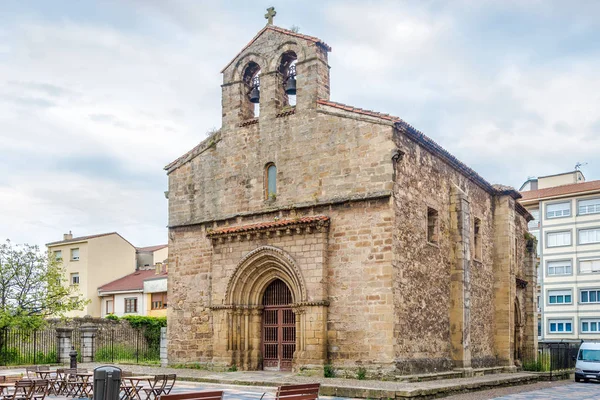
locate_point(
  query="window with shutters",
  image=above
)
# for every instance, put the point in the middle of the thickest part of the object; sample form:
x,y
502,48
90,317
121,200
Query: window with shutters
x,y
560,326
589,296
557,268
588,206
559,297
558,239
75,254
131,305
558,210
589,236
591,266
159,301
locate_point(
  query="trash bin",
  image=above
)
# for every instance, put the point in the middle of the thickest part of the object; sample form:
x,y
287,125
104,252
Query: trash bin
x,y
107,383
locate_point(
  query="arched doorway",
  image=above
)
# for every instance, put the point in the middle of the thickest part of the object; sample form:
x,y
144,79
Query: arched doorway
x,y
279,327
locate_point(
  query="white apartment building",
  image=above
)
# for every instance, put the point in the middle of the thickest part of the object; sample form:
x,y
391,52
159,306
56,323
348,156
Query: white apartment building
x,y
567,225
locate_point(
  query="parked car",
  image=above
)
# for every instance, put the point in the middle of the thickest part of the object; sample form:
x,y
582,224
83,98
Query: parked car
x,y
588,362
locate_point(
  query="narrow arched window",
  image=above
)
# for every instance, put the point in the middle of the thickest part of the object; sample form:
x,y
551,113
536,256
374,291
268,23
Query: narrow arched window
x,y
271,182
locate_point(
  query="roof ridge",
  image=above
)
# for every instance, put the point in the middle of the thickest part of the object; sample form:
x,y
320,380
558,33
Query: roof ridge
x,y
280,30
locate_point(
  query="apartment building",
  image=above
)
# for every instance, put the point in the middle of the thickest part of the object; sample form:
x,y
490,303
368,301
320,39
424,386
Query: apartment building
x,y
567,225
143,292
92,261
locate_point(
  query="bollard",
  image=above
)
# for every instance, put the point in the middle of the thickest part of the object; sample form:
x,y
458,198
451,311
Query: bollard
x,y
73,357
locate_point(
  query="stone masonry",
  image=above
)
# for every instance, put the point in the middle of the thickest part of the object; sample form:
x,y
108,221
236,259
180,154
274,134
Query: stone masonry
x,y
398,257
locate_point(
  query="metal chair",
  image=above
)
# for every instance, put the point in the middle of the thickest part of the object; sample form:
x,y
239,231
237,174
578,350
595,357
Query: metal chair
x,y
170,382
40,389
23,390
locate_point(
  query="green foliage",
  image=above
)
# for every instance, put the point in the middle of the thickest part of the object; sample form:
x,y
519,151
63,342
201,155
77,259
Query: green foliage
x,y
124,353
14,356
33,286
361,373
328,371
233,368
190,366
112,317
542,364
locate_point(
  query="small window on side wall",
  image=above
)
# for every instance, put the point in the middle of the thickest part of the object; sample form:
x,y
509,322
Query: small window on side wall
x,y
270,182
477,239
432,226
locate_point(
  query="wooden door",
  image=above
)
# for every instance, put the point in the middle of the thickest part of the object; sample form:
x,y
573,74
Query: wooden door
x,y
279,328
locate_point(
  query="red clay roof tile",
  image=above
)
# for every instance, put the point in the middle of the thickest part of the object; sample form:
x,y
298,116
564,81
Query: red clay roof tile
x,y
267,225
561,190
134,281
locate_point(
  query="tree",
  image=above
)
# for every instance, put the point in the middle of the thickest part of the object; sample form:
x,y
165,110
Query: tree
x,y
33,286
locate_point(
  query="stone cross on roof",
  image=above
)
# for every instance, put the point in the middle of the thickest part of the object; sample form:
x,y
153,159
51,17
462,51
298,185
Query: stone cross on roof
x,y
270,14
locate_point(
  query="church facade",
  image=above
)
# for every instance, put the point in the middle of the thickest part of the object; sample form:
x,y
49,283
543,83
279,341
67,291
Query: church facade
x,y
307,232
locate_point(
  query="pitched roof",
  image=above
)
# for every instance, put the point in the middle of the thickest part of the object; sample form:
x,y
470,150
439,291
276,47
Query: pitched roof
x,y
358,110
285,32
151,248
131,282
268,225
82,238
562,190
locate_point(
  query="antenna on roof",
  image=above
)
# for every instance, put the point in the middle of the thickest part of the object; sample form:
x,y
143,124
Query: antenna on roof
x,y
579,165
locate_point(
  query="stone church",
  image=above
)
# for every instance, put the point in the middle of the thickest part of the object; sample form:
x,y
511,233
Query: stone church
x,y
305,232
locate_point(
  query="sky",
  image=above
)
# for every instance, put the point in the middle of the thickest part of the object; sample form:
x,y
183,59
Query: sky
x,y
96,97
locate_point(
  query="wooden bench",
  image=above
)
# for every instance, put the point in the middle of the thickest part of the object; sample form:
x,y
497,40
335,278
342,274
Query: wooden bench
x,y
214,395
298,392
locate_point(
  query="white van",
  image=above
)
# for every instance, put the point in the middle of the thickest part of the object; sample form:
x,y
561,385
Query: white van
x,y
588,362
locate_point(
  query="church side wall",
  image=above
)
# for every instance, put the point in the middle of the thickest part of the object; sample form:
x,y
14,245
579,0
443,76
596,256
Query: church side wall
x,y
422,270
189,319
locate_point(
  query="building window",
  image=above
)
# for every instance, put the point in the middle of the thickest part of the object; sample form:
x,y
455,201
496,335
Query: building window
x,y
539,327
159,301
591,206
110,307
587,236
75,278
558,210
74,254
559,297
535,223
558,239
556,268
589,266
590,296
477,238
432,225
271,181
58,255
131,305
560,326
590,325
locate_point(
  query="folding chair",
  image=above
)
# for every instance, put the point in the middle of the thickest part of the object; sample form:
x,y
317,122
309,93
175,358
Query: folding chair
x,y
171,378
156,387
40,389
23,390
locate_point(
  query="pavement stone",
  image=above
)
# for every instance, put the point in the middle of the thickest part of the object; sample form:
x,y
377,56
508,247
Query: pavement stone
x,y
579,391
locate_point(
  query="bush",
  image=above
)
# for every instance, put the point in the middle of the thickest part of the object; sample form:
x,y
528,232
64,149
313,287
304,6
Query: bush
x,y
361,374
233,368
542,364
328,371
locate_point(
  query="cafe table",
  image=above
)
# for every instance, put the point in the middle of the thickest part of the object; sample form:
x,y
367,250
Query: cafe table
x,y
135,387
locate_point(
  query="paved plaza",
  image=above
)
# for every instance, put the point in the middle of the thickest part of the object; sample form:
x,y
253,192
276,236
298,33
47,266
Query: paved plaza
x,y
579,391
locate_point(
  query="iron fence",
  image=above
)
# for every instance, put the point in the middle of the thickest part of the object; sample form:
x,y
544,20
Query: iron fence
x,y
22,347
550,357
127,345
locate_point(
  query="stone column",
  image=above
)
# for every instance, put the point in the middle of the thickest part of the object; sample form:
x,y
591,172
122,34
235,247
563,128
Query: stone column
x,y
88,337
64,343
163,347
460,279
530,337
311,336
504,279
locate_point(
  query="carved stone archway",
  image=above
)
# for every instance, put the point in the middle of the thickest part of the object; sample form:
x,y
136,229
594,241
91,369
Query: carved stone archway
x,y
238,323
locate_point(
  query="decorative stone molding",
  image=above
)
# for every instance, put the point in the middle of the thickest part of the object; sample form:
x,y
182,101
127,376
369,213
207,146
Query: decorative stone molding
x,y
324,303
248,122
258,268
319,223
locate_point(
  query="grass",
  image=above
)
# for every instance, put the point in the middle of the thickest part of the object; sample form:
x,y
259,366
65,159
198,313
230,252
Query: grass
x,y
125,354
13,356
542,364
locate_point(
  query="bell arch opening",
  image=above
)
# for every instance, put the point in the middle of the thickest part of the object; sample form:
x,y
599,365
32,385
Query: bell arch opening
x,y
287,71
251,98
278,327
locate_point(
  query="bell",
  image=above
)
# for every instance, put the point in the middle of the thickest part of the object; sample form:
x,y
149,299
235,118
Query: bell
x,y
255,95
290,85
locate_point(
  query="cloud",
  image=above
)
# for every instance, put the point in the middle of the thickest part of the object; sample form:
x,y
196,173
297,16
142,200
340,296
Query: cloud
x,y
95,98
